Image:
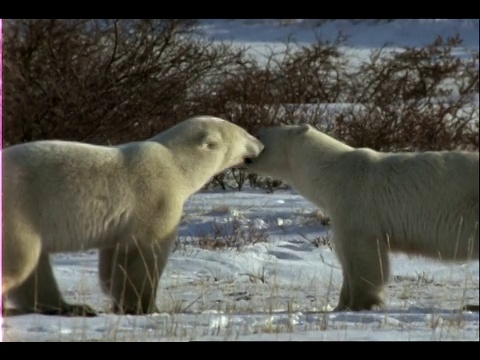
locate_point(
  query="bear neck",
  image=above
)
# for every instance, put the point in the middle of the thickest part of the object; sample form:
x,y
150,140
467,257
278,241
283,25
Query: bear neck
x,y
193,172
187,174
313,163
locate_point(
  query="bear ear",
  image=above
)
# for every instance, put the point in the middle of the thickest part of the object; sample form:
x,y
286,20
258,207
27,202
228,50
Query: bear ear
x,y
302,129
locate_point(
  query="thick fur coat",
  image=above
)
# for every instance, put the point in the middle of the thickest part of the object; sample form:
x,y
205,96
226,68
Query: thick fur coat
x,y
416,203
125,200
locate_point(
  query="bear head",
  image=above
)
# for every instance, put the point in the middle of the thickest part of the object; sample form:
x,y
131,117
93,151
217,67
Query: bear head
x,y
277,141
213,142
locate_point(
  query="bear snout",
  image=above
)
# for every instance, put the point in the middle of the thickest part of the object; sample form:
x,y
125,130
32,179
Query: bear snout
x,y
254,145
260,147
248,160
254,148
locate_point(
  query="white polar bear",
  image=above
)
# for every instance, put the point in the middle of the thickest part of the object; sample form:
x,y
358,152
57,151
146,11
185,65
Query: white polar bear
x,y
126,200
417,203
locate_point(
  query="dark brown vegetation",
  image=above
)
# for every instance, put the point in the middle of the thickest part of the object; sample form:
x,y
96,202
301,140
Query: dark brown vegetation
x,y
114,81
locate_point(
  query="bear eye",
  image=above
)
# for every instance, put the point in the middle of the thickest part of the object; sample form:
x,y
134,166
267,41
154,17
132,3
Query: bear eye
x,y
212,145
210,141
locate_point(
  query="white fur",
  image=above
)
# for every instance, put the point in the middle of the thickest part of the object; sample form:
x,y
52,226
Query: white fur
x,y
126,200
417,203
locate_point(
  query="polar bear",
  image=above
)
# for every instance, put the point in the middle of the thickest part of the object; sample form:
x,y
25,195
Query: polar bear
x,y
417,203
125,200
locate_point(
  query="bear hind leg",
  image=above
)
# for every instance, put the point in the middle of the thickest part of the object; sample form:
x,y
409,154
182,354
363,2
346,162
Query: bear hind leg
x,y
344,301
39,293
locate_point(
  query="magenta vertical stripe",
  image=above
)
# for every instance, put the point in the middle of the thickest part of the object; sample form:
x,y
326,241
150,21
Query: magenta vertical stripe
x,y
1,169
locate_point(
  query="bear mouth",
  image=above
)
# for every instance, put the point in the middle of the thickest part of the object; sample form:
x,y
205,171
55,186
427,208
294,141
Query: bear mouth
x,y
248,160
252,159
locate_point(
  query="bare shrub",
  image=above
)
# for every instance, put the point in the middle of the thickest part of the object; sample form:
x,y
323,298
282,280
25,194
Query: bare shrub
x,y
103,81
415,99
113,81
411,99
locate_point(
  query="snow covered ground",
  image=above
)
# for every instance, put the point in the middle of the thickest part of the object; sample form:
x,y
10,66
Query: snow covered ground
x,y
273,282
275,277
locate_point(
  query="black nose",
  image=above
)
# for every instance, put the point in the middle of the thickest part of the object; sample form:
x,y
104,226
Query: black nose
x,y
248,160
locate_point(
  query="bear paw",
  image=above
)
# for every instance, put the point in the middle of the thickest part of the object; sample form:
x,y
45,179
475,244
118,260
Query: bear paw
x,y
70,310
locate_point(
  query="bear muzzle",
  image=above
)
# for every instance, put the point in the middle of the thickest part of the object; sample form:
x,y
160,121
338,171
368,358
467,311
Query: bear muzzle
x,y
253,150
249,161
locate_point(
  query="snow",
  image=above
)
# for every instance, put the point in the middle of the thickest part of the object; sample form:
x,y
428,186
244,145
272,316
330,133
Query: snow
x,y
256,266
276,289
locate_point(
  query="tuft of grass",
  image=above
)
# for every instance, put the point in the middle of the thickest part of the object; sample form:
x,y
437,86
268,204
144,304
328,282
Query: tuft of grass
x,y
228,236
320,241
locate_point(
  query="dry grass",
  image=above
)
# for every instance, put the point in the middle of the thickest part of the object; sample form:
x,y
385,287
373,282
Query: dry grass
x,y
229,236
185,318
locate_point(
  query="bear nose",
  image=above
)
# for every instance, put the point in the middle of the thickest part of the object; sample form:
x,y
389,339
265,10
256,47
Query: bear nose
x,y
260,146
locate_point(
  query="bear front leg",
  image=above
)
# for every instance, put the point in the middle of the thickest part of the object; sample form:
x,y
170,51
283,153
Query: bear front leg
x,y
344,301
345,297
39,293
366,270
130,276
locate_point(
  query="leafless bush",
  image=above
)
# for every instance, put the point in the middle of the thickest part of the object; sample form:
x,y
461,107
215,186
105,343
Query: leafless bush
x,y
274,89
103,81
415,99
410,99
111,81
